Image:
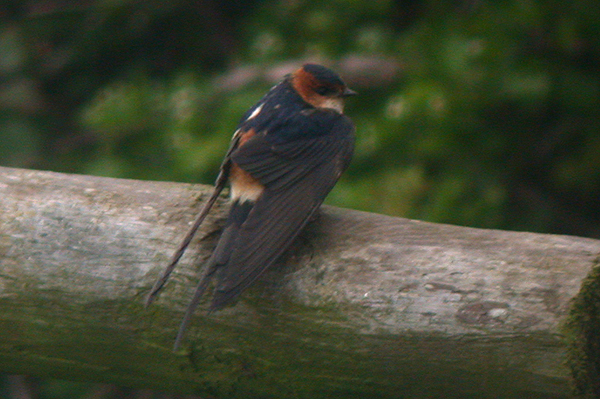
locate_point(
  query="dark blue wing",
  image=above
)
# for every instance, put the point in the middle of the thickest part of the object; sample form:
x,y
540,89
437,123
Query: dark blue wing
x,y
279,163
297,176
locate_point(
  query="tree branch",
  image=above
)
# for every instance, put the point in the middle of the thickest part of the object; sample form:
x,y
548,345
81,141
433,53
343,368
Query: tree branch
x,y
363,305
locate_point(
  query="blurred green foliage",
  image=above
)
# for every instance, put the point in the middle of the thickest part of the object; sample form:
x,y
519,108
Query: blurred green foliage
x,y
492,119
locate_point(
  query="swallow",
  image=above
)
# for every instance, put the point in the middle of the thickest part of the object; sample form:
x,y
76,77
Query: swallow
x,y
286,155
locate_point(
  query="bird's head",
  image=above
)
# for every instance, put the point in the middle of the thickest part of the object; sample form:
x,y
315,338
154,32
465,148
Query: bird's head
x,y
321,87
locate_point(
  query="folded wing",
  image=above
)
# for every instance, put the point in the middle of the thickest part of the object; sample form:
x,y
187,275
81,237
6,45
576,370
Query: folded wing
x,y
297,176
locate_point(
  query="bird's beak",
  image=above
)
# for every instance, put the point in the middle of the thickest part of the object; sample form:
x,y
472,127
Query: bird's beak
x,y
348,92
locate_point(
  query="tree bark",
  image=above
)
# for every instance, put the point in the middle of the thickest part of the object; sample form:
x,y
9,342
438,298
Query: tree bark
x,y
362,305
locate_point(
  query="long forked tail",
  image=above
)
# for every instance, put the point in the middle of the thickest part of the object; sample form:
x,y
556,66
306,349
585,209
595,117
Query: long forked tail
x,y
183,246
200,289
218,260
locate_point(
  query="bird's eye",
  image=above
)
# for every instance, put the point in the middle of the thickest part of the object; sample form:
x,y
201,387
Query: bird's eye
x,y
324,91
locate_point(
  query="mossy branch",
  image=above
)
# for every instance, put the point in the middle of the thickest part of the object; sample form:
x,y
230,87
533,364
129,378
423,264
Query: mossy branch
x,y
363,305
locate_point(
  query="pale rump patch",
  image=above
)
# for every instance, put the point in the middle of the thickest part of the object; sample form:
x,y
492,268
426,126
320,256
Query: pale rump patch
x,y
244,187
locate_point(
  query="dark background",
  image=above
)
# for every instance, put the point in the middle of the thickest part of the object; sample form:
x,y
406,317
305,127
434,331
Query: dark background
x,y
477,113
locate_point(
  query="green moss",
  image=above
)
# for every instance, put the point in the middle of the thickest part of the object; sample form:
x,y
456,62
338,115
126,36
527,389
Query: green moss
x,y
583,336
267,347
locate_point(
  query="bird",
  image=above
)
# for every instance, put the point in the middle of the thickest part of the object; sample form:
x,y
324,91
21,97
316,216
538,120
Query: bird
x,y
286,155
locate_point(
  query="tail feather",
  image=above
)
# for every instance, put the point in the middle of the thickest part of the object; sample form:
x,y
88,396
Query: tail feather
x,y
200,289
160,282
237,215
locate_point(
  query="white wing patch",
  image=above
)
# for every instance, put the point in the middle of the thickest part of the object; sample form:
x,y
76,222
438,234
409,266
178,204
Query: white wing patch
x,y
255,112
